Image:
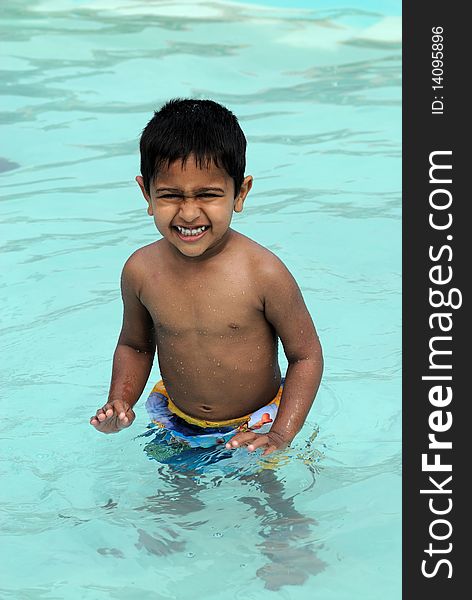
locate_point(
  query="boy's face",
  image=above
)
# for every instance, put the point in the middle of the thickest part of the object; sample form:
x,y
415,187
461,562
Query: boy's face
x,y
192,206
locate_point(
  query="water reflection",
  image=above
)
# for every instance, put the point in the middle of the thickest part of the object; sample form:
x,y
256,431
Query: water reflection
x,y
284,536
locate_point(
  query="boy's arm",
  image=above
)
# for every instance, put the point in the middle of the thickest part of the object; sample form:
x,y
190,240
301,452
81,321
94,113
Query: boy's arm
x,y
285,309
133,357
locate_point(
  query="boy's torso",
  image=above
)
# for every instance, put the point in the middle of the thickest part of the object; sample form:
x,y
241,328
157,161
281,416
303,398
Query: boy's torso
x,y
217,352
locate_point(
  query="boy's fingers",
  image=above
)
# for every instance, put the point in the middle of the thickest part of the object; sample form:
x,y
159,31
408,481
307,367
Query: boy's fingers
x,y
240,438
253,441
234,441
126,418
269,450
105,411
262,440
98,418
120,408
113,417
108,409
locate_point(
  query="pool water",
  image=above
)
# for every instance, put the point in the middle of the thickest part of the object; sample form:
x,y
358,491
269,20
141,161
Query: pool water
x,y
317,91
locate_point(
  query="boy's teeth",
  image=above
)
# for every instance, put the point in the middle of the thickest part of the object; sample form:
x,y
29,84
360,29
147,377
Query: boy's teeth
x,y
196,231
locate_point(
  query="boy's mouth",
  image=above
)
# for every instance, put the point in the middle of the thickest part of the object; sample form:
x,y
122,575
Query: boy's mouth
x,y
190,234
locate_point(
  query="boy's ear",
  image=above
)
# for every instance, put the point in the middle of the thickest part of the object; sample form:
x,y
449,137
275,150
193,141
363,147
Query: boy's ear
x,y
140,182
243,192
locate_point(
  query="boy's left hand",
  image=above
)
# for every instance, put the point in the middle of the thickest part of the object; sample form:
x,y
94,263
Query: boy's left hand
x,y
271,441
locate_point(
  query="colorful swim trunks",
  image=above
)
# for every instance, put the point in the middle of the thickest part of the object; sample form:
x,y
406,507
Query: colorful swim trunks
x,y
180,429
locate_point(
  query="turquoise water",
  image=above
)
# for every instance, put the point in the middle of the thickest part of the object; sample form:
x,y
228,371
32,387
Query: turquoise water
x,y
317,91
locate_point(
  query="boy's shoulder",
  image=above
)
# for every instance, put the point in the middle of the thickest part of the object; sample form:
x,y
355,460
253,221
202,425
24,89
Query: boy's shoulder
x,y
271,275
139,263
263,259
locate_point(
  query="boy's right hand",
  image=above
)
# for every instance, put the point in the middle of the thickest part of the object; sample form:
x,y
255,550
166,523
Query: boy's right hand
x,y
113,417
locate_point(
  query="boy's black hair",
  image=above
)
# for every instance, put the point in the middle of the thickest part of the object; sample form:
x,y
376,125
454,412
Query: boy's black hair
x,y
203,128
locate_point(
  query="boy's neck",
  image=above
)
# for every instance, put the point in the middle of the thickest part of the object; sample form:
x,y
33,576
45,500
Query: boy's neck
x,y
220,247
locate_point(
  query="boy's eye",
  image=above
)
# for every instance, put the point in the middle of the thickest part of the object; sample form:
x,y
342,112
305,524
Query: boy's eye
x,y
179,197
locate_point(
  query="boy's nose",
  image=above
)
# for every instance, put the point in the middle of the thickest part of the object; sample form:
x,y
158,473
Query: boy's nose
x,y
189,211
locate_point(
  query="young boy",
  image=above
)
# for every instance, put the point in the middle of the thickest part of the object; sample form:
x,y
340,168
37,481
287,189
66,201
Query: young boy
x,y
212,301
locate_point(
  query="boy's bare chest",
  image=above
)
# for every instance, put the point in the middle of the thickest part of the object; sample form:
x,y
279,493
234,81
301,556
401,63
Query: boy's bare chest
x,y
206,304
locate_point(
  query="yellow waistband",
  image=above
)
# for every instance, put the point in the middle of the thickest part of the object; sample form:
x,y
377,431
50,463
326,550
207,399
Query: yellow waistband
x,y
159,387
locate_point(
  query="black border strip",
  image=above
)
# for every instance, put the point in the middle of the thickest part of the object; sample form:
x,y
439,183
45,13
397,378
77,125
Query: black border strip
x,y
432,255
